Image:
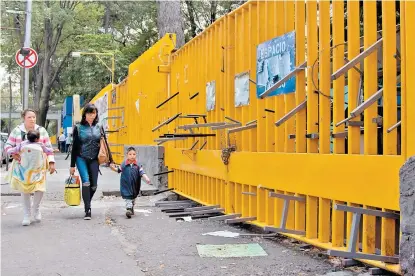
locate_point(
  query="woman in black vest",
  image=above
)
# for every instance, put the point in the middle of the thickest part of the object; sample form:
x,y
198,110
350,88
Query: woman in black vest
x,y
85,149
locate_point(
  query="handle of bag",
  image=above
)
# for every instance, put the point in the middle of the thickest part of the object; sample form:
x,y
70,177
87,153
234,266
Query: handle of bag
x,y
106,143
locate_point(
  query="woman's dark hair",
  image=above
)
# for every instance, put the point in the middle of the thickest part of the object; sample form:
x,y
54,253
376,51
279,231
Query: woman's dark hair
x,y
27,110
131,149
89,108
33,135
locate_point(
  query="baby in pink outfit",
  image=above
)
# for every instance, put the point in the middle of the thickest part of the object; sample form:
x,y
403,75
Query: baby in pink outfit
x,y
32,138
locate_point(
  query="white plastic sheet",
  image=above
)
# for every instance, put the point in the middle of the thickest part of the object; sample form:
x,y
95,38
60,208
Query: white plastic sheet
x,y
242,89
210,95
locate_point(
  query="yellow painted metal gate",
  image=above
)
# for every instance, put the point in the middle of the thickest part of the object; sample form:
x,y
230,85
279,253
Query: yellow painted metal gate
x,y
315,159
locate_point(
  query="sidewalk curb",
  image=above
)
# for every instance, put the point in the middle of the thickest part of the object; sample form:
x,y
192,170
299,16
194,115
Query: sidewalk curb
x,y
12,194
118,193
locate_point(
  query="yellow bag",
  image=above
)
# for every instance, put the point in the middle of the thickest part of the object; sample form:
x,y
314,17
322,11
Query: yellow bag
x,y
73,191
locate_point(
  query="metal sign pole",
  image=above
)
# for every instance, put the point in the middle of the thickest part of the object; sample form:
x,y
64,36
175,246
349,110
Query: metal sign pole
x,y
27,45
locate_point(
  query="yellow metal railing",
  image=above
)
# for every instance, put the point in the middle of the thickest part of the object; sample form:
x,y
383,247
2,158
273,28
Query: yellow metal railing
x,y
318,152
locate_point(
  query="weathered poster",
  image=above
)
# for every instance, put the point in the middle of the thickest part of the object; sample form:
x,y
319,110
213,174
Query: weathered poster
x,y
275,59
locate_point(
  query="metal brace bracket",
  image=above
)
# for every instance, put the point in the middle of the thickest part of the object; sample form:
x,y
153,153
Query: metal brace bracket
x,y
389,130
284,79
168,121
291,113
363,106
351,249
356,60
282,228
185,127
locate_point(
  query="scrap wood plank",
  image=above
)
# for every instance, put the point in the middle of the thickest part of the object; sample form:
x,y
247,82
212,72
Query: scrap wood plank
x,y
211,211
238,220
159,203
202,208
180,214
225,217
186,205
172,210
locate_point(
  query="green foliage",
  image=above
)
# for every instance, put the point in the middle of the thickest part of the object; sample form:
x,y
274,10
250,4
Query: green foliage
x,y
126,28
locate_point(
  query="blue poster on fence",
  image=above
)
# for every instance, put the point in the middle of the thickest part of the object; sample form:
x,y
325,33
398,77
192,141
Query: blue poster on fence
x,y
275,59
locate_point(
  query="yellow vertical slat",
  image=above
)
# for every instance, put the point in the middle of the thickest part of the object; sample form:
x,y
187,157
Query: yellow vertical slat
x,y
222,47
353,46
324,77
389,109
243,68
353,49
312,74
261,205
238,197
219,193
338,84
370,133
278,209
230,72
238,46
389,78
403,80
253,40
337,235
410,80
300,118
312,109
279,100
300,209
245,205
252,201
260,103
210,190
289,98
269,209
268,24
203,187
311,217
324,110
219,90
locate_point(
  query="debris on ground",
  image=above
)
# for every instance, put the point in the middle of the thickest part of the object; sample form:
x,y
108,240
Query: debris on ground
x,y
230,250
187,219
226,234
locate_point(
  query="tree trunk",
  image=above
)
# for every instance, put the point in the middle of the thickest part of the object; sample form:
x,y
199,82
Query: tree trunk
x,y
213,11
106,18
170,20
190,10
46,70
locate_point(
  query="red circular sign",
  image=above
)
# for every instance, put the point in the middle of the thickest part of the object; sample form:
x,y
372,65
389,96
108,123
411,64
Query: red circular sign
x,y
26,61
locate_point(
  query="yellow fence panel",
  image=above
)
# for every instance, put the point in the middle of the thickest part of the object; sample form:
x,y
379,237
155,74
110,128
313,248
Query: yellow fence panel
x,y
338,140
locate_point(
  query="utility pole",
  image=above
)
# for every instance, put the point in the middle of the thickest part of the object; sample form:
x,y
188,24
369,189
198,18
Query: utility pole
x,y
10,118
27,45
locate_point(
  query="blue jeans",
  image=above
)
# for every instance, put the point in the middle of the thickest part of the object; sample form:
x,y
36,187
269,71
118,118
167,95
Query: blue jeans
x,y
88,171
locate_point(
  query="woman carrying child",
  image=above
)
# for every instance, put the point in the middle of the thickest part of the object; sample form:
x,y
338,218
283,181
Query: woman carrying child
x,y
31,161
130,181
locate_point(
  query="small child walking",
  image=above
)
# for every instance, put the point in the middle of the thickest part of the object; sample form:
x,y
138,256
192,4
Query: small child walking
x,y
130,181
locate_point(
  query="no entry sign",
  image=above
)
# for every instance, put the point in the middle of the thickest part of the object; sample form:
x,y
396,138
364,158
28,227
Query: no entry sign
x,y
26,57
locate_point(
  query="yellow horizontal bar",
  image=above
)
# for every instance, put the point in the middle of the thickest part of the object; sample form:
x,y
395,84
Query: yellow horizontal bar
x,y
372,180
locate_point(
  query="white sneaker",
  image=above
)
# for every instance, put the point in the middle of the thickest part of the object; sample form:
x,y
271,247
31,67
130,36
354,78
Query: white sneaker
x,y
38,216
26,221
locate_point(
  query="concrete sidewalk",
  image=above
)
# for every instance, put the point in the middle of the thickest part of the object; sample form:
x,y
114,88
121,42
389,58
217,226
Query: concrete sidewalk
x,y
108,182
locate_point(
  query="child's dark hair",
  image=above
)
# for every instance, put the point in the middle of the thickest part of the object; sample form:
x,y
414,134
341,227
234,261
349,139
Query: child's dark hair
x,y
131,149
33,135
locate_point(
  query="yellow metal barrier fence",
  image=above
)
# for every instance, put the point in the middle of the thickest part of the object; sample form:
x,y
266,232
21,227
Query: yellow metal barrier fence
x,y
320,153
